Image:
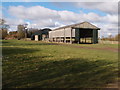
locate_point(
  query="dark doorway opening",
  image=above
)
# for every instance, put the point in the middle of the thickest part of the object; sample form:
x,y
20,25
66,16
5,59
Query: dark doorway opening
x,y
86,36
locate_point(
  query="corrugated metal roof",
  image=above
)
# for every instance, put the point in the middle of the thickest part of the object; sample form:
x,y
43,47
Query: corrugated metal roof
x,y
83,25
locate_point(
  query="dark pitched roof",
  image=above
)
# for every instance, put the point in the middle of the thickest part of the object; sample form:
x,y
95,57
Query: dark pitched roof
x,y
39,32
46,29
42,31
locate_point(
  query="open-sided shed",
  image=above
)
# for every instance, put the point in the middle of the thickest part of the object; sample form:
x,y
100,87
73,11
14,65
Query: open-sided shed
x,y
84,32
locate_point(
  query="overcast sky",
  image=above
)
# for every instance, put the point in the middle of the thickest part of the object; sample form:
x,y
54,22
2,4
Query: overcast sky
x,y
57,14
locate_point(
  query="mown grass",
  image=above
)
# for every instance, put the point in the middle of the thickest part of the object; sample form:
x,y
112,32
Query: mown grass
x,y
43,65
98,45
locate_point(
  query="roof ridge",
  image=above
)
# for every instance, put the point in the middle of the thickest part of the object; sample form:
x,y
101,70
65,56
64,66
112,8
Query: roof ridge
x,y
76,24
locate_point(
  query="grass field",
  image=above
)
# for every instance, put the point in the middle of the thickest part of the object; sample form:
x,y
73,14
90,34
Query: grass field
x,y
38,64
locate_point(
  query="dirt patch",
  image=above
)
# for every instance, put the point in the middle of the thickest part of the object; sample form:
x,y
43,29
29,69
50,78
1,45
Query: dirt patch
x,y
113,85
106,48
93,48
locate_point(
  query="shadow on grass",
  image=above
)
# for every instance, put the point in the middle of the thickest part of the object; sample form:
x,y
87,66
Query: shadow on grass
x,y
4,41
15,50
70,73
42,43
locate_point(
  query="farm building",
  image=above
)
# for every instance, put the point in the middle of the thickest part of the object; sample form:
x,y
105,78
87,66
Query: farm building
x,y
83,32
41,34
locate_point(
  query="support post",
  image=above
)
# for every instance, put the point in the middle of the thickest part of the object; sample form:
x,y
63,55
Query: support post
x,y
64,36
85,39
94,37
71,37
55,39
91,39
64,39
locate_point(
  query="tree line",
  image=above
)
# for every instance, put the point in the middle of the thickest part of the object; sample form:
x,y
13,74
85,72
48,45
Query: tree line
x,y
111,38
22,31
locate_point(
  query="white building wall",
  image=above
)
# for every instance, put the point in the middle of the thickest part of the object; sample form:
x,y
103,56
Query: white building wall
x,y
62,33
73,32
50,34
36,37
67,32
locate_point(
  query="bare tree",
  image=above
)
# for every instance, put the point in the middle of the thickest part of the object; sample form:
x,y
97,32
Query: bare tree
x,y
2,21
3,29
117,37
21,32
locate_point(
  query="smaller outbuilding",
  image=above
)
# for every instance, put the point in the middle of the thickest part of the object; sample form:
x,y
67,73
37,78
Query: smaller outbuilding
x,y
40,34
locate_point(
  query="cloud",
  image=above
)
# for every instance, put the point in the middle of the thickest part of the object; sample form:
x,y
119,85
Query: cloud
x,y
107,7
108,28
39,13
12,21
41,17
32,13
110,18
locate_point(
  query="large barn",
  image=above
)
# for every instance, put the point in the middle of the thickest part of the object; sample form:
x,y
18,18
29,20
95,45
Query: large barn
x,y
84,32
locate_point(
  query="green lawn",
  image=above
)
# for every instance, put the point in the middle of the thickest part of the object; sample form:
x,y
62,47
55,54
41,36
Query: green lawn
x,y
39,64
98,45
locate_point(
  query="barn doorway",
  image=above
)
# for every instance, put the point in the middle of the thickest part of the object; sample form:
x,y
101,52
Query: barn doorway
x,y
85,36
37,37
